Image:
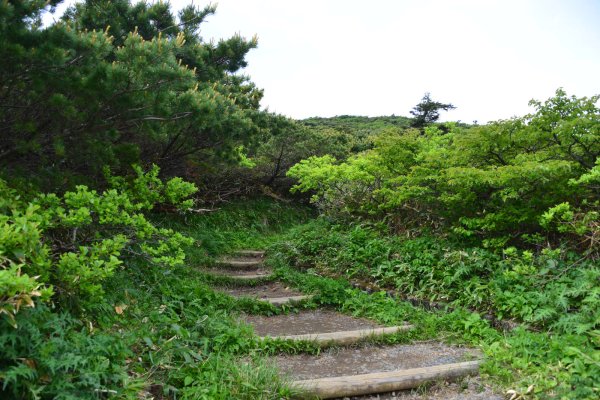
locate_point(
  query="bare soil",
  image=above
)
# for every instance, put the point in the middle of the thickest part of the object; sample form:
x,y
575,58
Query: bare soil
x,y
264,291
314,321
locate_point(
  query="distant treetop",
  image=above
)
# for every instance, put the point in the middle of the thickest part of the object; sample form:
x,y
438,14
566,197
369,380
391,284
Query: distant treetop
x,y
427,111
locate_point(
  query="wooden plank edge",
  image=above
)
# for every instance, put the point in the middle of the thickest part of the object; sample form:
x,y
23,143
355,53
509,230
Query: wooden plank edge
x,y
345,337
250,253
248,277
241,277
382,382
277,301
239,264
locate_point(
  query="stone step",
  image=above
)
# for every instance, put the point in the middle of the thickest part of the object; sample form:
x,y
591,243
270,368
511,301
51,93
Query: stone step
x,y
344,337
382,382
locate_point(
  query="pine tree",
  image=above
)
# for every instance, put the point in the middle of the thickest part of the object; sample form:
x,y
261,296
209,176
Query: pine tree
x,y
115,83
427,111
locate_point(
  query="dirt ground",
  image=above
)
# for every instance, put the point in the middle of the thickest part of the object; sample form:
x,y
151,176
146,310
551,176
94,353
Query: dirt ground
x,y
373,358
240,271
370,358
267,290
314,321
469,388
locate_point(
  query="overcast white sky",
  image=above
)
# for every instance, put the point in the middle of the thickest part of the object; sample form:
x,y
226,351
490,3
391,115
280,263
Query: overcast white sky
x,y
378,57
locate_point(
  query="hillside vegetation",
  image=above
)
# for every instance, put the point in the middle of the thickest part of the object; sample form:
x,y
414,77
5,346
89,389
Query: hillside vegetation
x,y
133,153
502,219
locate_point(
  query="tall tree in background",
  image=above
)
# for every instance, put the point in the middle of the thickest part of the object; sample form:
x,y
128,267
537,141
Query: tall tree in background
x,y
428,111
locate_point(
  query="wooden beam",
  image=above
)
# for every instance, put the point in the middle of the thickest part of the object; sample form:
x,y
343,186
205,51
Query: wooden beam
x,y
233,276
239,263
250,253
345,337
382,382
277,301
246,277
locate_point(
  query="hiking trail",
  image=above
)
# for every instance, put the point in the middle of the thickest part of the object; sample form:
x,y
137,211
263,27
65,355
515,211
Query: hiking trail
x,y
350,364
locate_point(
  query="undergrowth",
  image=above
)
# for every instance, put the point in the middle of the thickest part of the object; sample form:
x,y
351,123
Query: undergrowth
x,y
157,331
552,357
252,223
164,333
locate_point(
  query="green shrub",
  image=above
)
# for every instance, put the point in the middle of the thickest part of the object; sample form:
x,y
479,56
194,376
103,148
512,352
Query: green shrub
x,y
53,356
554,289
492,182
73,242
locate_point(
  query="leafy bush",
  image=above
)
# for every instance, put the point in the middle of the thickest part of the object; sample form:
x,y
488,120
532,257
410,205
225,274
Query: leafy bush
x,y
492,182
555,289
18,290
148,327
75,241
53,356
580,221
148,191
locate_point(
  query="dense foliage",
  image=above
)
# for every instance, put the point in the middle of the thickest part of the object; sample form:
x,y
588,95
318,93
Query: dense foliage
x,y
114,84
551,290
552,300
137,322
92,279
501,219
68,246
520,180
109,114
361,129
75,241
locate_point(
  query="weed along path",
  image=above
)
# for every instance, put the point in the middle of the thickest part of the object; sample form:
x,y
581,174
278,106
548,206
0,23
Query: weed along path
x,y
345,356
